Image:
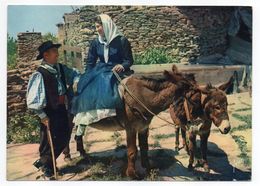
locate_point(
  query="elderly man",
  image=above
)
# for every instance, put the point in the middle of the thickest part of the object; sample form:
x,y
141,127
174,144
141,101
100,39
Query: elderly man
x,y
46,96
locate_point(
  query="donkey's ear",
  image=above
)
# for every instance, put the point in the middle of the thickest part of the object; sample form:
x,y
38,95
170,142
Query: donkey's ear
x,y
174,78
205,89
209,86
167,74
224,87
174,69
190,77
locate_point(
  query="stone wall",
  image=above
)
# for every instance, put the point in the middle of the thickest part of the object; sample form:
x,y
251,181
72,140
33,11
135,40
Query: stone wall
x,y
27,44
17,79
186,32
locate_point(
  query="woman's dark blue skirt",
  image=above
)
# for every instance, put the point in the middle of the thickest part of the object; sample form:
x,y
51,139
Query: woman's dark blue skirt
x,y
97,89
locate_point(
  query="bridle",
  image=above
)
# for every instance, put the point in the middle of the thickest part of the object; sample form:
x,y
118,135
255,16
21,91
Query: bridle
x,y
193,124
190,121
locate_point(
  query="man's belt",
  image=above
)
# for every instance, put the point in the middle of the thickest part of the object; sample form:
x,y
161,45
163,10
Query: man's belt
x,y
61,99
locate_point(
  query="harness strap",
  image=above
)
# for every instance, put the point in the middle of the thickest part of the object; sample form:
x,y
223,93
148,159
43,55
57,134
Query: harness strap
x,y
186,108
193,125
142,104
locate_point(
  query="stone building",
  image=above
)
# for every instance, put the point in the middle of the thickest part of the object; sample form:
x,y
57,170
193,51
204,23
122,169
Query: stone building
x,y
186,32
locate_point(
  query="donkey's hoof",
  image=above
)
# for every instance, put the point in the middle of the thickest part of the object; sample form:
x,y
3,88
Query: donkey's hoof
x,y
177,147
132,174
206,167
190,167
199,163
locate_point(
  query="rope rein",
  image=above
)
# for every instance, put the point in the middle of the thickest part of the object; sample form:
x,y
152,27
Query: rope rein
x,y
142,104
191,124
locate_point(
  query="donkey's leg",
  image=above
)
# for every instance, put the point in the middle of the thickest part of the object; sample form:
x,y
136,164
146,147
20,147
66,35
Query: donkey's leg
x,y
192,148
143,144
204,148
184,141
177,142
131,153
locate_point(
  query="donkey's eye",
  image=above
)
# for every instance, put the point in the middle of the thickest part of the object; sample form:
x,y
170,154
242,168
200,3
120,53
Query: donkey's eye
x,y
217,107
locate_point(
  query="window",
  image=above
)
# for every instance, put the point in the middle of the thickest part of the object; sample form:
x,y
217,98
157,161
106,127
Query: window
x,y
78,55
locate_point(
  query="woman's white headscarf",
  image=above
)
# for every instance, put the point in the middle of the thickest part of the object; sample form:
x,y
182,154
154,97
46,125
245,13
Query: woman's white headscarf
x,y
110,30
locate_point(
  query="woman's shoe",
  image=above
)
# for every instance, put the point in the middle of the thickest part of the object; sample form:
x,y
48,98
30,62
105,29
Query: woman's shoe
x,y
67,158
83,154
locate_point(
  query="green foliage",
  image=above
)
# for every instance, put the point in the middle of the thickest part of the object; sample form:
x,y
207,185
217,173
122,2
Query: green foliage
x,y
247,119
49,36
154,56
243,109
156,144
154,175
117,138
11,52
244,103
23,128
163,136
243,148
101,171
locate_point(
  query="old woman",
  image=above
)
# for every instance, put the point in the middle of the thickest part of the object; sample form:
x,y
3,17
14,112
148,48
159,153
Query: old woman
x,y
98,96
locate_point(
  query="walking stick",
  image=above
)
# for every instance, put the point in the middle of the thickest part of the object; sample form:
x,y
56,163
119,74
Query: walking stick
x,y
52,151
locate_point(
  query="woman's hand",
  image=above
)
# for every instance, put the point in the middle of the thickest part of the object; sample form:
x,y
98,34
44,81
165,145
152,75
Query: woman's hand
x,y
118,68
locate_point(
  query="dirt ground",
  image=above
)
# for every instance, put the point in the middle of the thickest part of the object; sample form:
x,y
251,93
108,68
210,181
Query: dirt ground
x,y
229,156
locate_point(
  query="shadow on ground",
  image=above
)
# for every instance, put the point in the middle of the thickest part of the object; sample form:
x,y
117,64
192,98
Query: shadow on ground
x,y
111,165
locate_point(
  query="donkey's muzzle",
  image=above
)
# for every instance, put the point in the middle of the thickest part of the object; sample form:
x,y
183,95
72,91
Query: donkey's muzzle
x,y
224,127
226,130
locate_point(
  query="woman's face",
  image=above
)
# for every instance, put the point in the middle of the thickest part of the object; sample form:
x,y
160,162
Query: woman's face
x,y
99,29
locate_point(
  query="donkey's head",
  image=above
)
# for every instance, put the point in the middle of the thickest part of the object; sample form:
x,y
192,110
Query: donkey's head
x,y
187,91
215,105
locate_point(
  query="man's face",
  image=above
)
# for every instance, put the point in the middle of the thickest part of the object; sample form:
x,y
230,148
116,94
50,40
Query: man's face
x,y
51,55
99,29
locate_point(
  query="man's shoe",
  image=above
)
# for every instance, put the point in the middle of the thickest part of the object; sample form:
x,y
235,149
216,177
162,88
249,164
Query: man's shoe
x,y
47,172
38,164
44,178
